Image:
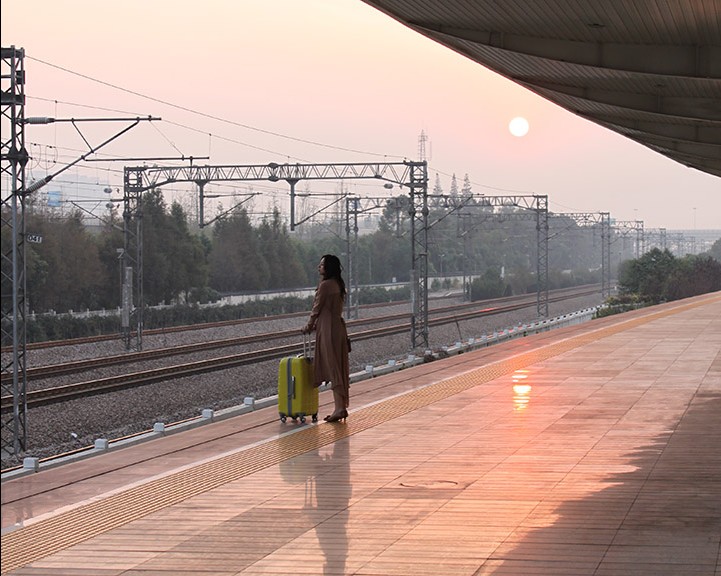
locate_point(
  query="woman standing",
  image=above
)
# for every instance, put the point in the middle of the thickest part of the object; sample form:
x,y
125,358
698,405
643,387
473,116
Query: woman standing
x,y
330,363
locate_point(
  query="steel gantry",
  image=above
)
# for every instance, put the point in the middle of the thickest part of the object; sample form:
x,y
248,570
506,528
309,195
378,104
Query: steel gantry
x,y
681,244
655,238
14,306
675,242
625,228
356,205
473,210
600,220
413,175
467,209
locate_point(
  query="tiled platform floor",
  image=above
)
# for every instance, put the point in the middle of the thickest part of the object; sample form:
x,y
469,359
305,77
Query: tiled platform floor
x,y
589,450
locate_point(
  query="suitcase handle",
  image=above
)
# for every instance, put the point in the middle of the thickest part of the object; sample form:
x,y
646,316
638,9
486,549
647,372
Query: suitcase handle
x,y
307,349
307,345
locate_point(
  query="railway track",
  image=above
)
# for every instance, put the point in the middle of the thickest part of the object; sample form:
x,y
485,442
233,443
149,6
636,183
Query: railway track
x,y
51,371
438,316
193,327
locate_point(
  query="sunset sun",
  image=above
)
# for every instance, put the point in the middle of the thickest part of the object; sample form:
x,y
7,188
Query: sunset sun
x,y
518,126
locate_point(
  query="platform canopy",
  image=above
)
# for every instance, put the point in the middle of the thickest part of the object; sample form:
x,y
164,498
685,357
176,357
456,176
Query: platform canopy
x,y
647,69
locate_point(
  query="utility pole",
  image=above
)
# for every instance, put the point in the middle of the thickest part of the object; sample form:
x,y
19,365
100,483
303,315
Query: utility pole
x,y
422,139
14,160
14,303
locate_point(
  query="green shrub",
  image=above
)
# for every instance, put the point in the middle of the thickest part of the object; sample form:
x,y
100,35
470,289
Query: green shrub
x,y
376,295
621,303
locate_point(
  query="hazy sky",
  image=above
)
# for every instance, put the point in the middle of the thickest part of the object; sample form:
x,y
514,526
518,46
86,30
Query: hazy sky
x,y
258,81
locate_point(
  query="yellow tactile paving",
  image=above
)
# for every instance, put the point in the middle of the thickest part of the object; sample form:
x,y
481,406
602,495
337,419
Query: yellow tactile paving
x,y
251,474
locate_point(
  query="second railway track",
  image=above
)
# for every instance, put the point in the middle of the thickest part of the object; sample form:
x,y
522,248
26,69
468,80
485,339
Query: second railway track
x,y
54,394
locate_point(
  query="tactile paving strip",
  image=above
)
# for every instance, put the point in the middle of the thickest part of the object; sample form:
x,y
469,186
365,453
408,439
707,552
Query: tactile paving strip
x,y
66,529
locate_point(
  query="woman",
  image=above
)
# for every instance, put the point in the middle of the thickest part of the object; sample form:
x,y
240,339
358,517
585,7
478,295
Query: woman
x,y
330,363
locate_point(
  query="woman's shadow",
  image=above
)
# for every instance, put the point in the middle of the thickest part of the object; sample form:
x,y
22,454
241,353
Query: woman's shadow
x,y
333,491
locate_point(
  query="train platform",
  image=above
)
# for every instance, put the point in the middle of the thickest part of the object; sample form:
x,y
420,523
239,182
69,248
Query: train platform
x,y
588,450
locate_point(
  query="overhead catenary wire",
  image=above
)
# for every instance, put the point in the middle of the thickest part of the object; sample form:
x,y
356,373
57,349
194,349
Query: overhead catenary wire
x,y
211,135
209,116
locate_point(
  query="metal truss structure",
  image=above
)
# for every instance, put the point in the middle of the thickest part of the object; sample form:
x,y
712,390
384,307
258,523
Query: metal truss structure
x,y
602,220
624,228
681,245
355,205
413,175
473,210
14,294
676,242
14,306
655,238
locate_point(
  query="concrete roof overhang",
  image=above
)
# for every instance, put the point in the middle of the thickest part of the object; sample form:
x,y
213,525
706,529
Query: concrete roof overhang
x,y
647,69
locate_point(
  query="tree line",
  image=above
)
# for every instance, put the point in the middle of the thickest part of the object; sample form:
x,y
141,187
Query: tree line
x,y
77,267
658,276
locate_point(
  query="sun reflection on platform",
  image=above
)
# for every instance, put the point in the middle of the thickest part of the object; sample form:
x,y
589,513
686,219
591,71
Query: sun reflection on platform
x,y
521,390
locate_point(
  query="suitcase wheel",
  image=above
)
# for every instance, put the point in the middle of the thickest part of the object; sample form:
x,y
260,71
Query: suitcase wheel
x,y
302,419
283,419
315,417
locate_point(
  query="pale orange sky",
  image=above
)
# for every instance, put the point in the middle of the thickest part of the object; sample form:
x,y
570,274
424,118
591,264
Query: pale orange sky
x,y
334,72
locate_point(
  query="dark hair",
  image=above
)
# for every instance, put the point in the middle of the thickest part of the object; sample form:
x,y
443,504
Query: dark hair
x,y
333,269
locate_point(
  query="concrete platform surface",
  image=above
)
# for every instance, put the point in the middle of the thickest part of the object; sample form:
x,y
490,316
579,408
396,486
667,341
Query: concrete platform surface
x,y
590,450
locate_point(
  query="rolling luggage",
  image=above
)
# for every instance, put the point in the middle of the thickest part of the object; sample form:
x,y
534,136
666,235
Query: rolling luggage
x,y
297,397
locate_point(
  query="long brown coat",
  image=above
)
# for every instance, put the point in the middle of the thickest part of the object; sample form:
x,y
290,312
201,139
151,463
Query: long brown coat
x,y
330,362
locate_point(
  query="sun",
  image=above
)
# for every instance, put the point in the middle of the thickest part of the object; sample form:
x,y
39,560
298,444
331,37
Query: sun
x,y
518,126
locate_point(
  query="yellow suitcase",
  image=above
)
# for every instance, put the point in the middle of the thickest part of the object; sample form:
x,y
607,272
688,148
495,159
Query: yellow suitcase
x,y
297,397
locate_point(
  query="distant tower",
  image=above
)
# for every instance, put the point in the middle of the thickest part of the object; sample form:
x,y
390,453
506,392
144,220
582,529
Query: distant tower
x,y
422,139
